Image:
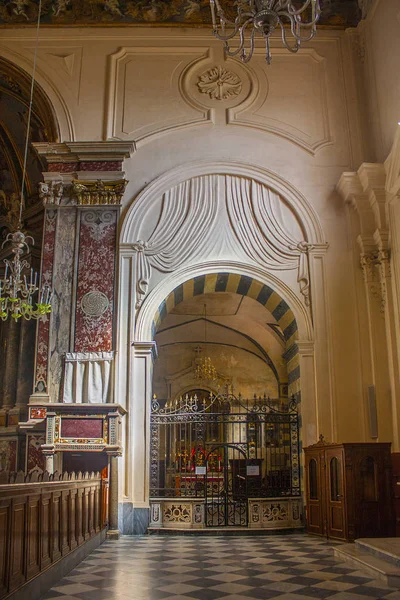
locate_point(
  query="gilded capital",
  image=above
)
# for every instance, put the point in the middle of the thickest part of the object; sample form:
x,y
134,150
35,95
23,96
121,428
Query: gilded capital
x,y
98,192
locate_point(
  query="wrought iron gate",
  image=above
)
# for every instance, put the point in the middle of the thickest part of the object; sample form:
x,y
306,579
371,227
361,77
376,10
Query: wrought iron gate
x,y
226,502
223,450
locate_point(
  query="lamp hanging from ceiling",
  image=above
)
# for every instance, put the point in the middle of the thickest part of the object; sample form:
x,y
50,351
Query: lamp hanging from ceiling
x,y
17,292
205,370
263,17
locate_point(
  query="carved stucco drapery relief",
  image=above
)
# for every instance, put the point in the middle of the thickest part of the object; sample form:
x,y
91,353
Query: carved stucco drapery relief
x,y
208,216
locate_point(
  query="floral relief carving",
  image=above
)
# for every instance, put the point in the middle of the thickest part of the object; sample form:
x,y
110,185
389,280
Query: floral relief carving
x,y
219,83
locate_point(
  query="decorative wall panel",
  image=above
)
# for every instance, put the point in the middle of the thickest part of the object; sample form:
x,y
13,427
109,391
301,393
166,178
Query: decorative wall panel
x,y
66,62
137,111
35,457
82,428
278,513
95,280
272,110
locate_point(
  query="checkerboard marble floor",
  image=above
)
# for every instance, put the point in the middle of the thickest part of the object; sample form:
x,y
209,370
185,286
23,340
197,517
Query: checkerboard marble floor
x,y
295,567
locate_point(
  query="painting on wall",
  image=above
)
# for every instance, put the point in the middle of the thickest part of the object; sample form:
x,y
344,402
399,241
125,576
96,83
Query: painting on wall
x,y
342,13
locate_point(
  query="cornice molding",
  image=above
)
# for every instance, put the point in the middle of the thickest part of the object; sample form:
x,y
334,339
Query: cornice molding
x,y
67,152
349,185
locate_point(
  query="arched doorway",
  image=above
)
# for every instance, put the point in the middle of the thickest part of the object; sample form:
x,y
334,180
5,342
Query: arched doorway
x,y
166,255
224,435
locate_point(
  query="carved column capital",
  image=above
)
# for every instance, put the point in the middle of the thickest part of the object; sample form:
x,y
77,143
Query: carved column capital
x,y
51,192
383,266
98,192
368,262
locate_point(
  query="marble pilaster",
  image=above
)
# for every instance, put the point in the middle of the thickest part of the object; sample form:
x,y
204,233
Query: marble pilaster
x,y
64,262
113,531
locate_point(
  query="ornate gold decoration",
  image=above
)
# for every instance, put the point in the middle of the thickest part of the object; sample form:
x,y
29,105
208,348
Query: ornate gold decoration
x,y
98,192
219,83
205,370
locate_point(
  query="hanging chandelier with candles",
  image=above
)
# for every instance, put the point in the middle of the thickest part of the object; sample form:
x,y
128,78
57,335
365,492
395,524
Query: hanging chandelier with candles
x,y
204,370
263,17
20,295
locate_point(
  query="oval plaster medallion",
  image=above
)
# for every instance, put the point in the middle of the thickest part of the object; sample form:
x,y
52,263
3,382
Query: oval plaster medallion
x,y
94,304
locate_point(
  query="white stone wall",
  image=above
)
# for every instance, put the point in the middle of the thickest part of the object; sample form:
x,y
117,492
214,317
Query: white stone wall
x,y
295,126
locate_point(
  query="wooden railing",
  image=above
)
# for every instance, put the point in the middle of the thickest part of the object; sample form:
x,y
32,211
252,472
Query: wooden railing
x,y
42,519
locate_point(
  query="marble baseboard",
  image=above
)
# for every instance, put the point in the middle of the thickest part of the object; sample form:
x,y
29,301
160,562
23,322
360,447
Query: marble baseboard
x,y
133,521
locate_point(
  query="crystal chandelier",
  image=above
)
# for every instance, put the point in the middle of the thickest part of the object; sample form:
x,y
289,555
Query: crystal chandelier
x,y
17,293
263,17
205,370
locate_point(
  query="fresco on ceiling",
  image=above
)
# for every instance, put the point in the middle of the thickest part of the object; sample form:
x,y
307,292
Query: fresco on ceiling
x,y
341,13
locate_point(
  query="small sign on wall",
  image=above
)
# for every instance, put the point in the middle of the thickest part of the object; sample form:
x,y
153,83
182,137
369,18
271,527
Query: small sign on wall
x,y
201,470
252,470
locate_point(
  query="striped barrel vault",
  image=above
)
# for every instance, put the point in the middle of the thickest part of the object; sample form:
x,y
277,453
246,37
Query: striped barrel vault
x,y
245,286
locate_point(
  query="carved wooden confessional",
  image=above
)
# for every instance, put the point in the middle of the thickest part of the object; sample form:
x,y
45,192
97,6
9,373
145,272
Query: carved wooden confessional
x,y
348,490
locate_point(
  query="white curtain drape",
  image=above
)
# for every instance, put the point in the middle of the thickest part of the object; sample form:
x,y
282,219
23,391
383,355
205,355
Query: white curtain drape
x,y
87,377
256,219
188,213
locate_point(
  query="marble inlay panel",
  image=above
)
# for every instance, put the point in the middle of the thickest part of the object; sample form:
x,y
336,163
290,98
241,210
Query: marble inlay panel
x,y
96,273
35,457
82,428
62,293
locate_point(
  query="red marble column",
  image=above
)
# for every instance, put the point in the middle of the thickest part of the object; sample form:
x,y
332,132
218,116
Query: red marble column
x,y
43,331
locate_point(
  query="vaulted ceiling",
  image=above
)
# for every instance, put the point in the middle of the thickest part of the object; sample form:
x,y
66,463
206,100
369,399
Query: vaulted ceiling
x,y
335,13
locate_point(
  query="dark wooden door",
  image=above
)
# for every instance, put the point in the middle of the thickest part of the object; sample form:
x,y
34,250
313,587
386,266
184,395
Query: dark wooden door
x,y
335,494
315,492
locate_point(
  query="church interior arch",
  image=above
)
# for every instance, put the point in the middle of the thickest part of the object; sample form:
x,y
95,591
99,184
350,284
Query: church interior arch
x,y
15,88
224,432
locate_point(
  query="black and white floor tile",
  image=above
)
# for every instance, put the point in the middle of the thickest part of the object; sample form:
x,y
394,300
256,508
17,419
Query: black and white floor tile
x,y
295,567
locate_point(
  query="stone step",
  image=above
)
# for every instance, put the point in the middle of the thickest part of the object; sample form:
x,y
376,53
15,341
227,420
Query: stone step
x,y
385,548
360,558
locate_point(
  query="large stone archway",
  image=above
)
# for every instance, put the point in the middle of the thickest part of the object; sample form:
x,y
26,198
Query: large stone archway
x,y
145,295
